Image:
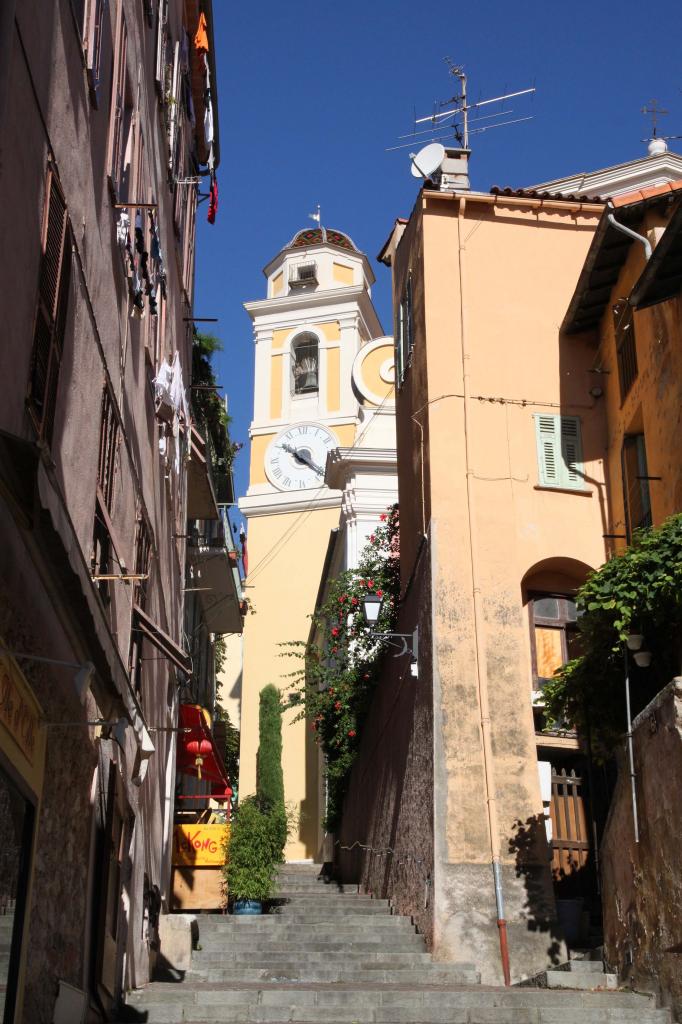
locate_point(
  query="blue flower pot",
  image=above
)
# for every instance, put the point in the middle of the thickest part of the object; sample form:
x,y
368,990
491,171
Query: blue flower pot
x,y
247,907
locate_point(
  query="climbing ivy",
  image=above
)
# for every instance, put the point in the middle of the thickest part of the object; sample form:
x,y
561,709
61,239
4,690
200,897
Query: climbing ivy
x,y
639,591
340,668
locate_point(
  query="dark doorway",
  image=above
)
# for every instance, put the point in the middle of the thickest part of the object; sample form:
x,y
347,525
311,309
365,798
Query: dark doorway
x,y
17,818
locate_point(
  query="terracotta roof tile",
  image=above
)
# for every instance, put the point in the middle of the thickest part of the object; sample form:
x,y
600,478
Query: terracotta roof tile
x,y
629,198
531,193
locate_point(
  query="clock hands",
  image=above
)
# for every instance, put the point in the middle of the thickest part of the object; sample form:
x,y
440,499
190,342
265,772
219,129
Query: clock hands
x,y
302,456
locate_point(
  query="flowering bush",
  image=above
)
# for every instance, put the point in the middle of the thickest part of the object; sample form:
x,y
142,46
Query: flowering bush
x,y
341,663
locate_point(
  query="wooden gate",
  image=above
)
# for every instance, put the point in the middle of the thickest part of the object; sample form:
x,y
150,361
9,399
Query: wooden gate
x,y
570,831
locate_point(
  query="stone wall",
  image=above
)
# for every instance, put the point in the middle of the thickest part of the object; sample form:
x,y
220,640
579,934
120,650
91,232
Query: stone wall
x,y
389,806
642,883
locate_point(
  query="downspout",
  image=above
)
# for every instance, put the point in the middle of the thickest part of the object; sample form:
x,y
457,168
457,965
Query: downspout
x,y
479,626
632,234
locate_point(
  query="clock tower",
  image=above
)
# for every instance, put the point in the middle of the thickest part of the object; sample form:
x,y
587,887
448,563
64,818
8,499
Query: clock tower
x,y
309,331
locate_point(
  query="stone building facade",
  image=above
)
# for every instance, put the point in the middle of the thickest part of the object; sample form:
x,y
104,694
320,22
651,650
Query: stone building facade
x,y
104,141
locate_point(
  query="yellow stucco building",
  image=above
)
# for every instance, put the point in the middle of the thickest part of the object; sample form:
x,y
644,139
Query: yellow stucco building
x,y
321,364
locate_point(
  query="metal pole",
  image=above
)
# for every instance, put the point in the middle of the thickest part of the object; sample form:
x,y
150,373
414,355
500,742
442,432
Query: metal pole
x,y
630,748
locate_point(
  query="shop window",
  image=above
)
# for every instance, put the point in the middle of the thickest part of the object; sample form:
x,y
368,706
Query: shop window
x,y
559,446
626,348
304,365
636,495
16,828
50,322
554,634
404,332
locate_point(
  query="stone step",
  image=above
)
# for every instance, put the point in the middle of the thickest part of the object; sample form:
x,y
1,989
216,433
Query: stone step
x,y
278,923
312,974
577,980
326,908
250,947
265,958
409,1004
582,967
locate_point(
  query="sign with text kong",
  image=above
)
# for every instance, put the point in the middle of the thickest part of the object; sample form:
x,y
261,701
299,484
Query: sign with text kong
x,y
199,846
19,711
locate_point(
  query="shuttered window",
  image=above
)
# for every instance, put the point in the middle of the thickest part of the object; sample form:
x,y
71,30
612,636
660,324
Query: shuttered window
x,y
404,332
122,130
560,454
93,26
50,323
626,346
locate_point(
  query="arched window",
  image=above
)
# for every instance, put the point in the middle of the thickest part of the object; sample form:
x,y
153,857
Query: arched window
x,y
304,365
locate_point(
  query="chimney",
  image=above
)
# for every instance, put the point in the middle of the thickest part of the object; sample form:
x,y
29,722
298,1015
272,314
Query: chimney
x,y
453,173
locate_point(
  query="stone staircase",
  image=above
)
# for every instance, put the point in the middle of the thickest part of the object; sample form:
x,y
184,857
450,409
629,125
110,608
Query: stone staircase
x,y
331,955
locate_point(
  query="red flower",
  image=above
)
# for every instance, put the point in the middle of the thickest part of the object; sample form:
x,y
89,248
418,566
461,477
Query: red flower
x,y
366,675
351,733
335,631
338,705
342,599
370,583
334,650
383,517
354,600
380,593
331,690
371,538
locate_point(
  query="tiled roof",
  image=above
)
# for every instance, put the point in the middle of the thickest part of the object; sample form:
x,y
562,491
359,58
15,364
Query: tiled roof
x,y
640,194
532,193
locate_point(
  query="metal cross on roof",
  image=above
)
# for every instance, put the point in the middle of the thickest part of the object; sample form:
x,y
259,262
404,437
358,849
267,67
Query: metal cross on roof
x,y
655,112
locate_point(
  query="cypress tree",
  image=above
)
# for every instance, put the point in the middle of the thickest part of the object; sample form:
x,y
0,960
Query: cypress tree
x,y
269,778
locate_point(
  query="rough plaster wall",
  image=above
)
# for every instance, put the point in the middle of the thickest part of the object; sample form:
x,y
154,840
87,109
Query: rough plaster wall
x,y
57,912
642,884
390,801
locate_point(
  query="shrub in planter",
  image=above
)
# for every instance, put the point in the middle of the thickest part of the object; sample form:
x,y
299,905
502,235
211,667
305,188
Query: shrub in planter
x,y
252,853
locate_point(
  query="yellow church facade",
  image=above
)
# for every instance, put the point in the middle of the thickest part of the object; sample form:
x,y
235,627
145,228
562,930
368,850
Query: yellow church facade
x,y
321,366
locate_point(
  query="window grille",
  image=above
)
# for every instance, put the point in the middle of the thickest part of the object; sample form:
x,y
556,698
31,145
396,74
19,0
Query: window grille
x,y
302,274
626,347
636,495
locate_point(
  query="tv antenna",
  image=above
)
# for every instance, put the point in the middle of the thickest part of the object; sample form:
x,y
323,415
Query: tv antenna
x,y
456,119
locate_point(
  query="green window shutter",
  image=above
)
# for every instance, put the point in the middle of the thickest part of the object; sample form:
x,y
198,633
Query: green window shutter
x,y
549,450
571,451
560,454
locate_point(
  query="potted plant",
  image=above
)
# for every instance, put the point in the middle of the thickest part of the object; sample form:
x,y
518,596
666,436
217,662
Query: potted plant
x,y
251,858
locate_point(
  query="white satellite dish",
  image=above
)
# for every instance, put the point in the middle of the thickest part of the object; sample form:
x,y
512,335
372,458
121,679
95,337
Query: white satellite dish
x,y
427,160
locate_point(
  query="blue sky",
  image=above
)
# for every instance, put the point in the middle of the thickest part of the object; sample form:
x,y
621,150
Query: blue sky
x,y
311,94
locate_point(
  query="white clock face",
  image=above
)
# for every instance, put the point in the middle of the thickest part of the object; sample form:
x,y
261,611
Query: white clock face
x,y
297,457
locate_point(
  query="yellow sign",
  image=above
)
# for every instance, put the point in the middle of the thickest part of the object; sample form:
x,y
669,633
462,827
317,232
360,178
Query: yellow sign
x,y
19,712
199,845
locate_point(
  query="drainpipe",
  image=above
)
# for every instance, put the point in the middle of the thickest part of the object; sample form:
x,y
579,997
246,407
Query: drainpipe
x,y
479,627
632,234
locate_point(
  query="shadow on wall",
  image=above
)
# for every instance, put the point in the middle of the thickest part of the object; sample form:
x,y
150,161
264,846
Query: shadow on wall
x,y
528,842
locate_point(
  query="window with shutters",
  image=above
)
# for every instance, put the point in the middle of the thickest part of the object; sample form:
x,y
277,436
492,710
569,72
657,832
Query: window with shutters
x,y
53,301
635,484
103,560
626,347
560,456
93,14
143,549
554,634
122,129
161,46
404,332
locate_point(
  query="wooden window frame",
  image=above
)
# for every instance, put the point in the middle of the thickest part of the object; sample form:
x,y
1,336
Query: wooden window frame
x,y
404,331
52,304
626,346
640,481
561,623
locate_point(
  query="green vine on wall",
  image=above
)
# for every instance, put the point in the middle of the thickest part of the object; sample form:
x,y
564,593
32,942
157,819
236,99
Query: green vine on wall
x,y
341,662
639,591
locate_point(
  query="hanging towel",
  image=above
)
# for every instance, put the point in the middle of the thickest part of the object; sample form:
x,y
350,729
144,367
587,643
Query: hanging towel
x,y
208,120
201,36
213,201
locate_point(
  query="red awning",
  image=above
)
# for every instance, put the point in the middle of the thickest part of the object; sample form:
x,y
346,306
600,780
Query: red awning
x,y
197,751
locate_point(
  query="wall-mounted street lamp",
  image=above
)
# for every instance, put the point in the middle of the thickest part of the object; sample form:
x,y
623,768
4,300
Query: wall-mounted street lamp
x,y
642,659
371,605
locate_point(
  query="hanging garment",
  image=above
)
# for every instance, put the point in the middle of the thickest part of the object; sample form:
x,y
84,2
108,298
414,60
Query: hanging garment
x,y
122,228
201,36
208,119
213,201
